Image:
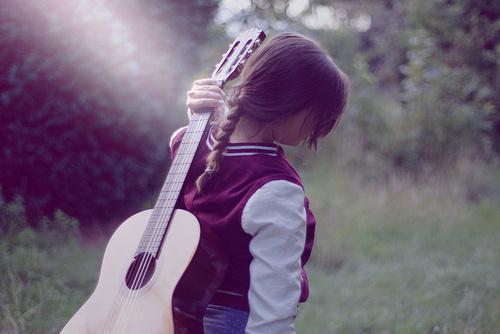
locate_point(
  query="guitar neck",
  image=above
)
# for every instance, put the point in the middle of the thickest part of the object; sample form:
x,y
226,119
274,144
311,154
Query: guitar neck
x,y
164,207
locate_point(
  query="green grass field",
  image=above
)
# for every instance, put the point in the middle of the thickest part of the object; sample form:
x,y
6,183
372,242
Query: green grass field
x,y
389,257
395,257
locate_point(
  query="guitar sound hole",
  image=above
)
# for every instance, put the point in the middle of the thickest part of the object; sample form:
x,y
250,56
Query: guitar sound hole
x,y
140,271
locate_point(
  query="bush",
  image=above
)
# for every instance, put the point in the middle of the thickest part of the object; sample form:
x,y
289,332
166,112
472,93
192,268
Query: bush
x,y
40,285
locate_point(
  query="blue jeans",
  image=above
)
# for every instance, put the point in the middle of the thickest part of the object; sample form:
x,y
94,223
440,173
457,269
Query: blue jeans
x,y
224,320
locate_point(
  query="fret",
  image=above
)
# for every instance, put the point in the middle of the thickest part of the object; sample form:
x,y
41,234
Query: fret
x,y
158,232
166,195
181,163
155,233
150,244
172,182
190,134
189,155
156,226
160,212
165,204
194,132
154,238
183,153
144,248
184,167
166,192
196,119
171,179
152,229
164,207
164,198
150,241
172,192
162,215
175,182
149,236
183,149
161,218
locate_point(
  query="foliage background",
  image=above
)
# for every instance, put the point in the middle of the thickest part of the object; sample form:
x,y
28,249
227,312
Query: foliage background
x,y
406,190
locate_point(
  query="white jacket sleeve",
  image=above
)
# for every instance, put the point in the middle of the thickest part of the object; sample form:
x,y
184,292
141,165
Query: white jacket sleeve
x,y
275,216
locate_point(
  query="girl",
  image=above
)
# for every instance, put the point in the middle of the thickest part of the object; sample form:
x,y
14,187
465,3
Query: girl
x,y
241,184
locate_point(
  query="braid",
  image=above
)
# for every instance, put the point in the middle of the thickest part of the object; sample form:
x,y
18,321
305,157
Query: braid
x,y
224,129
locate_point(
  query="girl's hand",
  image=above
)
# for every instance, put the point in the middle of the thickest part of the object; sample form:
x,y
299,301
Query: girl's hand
x,y
205,93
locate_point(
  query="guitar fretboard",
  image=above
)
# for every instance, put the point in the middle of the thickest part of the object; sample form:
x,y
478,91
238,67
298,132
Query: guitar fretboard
x,y
164,207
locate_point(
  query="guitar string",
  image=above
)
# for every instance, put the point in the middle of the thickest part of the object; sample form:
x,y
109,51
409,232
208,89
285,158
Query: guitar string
x,y
193,142
154,216
145,261
167,211
177,177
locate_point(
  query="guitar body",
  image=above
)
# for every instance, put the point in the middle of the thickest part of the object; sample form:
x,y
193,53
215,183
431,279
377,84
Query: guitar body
x,y
156,307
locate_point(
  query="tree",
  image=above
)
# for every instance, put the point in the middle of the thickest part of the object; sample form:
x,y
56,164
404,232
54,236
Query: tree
x,y
87,95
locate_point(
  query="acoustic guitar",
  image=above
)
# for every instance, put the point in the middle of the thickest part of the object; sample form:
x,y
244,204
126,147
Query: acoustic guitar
x,y
160,268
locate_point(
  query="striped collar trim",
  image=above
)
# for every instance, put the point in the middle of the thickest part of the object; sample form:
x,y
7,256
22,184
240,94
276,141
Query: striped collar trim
x,y
243,149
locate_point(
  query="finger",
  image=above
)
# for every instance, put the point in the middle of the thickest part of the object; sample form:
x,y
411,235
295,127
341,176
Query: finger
x,y
206,81
193,94
194,105
211,88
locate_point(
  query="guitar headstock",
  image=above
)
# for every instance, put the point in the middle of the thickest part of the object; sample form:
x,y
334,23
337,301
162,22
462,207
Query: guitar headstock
x,y
238,52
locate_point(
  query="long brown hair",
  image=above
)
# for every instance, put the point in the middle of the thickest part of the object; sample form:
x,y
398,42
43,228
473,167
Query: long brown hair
x,y
287,74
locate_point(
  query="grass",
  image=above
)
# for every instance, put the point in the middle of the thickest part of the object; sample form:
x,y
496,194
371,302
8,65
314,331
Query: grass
x,y
46,274
396,257
390,256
